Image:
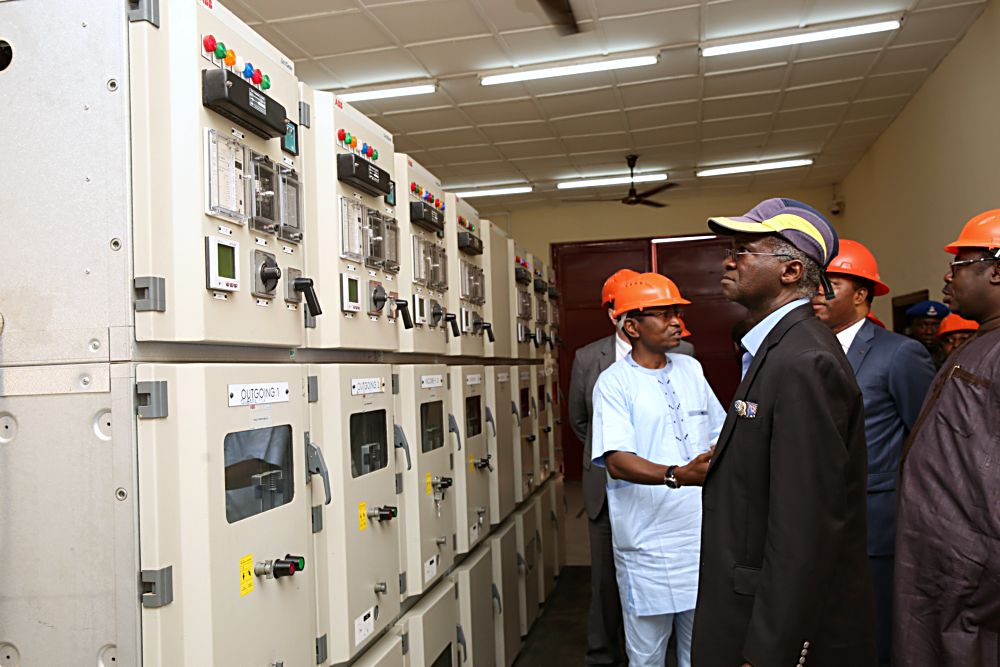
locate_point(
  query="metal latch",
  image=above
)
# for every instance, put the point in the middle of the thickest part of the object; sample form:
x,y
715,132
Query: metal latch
x,y
402,443
491,421
316,465
453,428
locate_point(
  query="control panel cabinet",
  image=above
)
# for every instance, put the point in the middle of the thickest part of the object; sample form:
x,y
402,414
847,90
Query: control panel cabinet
x,y
388,652
499,415
526,458
556,340
226,514
467,278
356,534
477,604
218,182
543,344
559,494
497,310
425,455
540,404
423,279
431,626
506,578
548,527
529,560
351,217
522,303
554,396
473,461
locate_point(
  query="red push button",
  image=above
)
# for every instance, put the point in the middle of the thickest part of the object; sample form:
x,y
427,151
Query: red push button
x,y
209,43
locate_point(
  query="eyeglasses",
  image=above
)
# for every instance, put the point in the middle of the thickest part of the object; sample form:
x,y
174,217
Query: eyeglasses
x,y
965,262
732,253
668,314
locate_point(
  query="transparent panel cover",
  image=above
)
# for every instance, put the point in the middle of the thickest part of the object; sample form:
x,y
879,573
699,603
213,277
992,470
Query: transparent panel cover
x,y
225,189
351,229
258,471
431,426
369,442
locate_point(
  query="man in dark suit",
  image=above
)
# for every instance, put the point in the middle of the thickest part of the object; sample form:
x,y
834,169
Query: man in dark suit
x,y
604,622
784,575
894,373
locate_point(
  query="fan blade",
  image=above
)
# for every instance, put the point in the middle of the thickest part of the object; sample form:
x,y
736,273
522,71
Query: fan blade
x,y
561,14
591,199
659,188
650,202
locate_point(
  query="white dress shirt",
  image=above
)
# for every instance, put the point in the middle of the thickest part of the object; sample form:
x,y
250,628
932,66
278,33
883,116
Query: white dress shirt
x,y
846,337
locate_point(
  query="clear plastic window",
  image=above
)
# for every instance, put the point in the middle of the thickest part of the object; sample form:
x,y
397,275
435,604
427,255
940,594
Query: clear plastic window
x,y
351,229
467,280
263,193
226,157
420,261
473,416
524,304
291,206
542,315
443,660
374,239
431,426
479,286
525,401
369,442
541,397
390,232
258,471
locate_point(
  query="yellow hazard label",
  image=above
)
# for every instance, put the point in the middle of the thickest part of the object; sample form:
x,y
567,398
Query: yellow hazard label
x,y
246,575
362,516
428,484
472,464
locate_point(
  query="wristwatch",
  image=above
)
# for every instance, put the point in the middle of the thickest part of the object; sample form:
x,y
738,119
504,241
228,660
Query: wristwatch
x,y
670,480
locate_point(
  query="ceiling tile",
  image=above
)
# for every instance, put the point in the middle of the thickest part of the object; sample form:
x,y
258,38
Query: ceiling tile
x,y
733,18
805,141
532,148
565,84
796,118
431,20
673,62
887,106
606,8
409,103
843,46
270,10
333,34
748,59
316,76
893,84
925,4
742,105
920,56
831,69
666,135
937,24
736,126
747,81
503,111
588,100
414,121
514,15
661,92
853,10
811,96
671,157
651,29
598,142
547,168
546,46
609,121
664,114
722,153
461,56
460,154
460,136
288,46
864,127
369,69
515,131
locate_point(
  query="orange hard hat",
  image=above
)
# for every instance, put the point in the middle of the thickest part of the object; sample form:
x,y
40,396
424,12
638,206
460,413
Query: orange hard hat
x,y
612,283
983,231
854,259
647,290
684,330
953,323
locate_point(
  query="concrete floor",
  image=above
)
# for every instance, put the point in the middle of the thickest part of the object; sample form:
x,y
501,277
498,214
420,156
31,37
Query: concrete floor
x,y
577,539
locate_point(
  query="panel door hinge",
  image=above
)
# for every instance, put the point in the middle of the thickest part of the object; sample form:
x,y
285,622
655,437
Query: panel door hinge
x,y
144,10
321,650
305,114
312,388
151,399
156,587
395,384
317,518
150,294
402,584
399,483
405,641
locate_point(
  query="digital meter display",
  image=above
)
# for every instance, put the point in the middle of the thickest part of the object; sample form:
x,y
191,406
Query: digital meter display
x,y
226,258
290,142
352,290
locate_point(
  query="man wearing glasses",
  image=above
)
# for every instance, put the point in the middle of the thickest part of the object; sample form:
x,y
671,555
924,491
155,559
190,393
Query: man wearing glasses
x,y
947,593
655,421
784,574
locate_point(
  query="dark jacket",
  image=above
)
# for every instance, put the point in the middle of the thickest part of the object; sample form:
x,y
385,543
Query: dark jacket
x,y
589,362
784,570
894,373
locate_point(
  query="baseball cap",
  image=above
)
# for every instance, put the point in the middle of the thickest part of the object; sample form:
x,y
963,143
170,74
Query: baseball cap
x,y
798,223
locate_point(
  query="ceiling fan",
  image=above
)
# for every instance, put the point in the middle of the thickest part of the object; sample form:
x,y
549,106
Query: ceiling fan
x,y
634,197
561,14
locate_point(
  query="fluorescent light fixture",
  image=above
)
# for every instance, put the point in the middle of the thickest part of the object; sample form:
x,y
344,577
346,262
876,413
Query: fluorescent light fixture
x,y
801,38
566,70
679,239
519,190
404,91
613,180
759,166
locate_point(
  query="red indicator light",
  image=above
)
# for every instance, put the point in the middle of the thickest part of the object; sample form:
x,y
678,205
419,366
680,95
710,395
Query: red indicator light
x,y
341,134
257,76
413,187
209,43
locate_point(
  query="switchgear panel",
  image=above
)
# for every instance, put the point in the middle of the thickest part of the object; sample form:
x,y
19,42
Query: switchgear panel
x,y
477,604
352,219
554,396
548,528
357,533
522,302
499,414
387,652
540,403
424,281
543,343
225,466
554,303
219,235
497,310
466,275
431,626
529,560
473,461
426,452
506,578
558,489
524,407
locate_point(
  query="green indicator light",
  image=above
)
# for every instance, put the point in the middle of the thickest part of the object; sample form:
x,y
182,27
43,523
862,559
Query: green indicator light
x,y
375,155
220,50
347,139
302,564
265,82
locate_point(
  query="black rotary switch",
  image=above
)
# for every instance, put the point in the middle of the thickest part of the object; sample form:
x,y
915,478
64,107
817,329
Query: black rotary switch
x,y
270,273
442,482
379,298
437,312
477,324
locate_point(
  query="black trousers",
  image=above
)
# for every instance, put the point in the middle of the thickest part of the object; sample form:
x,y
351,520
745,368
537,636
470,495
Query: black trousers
x,y
881,568
605,634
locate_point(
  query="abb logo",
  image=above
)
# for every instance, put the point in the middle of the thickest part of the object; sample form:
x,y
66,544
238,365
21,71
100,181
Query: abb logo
x,y
207,3
340,105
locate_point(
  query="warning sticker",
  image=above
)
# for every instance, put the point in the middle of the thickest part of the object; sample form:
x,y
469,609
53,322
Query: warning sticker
x,y
362,515
246,575
364,626
430,568
428,484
